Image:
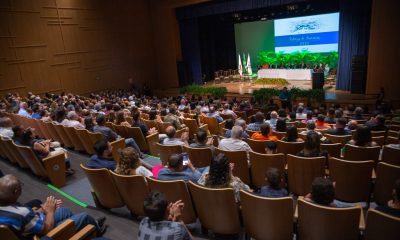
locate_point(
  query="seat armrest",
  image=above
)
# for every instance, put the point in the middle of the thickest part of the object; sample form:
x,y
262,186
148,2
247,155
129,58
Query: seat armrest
x,y
88,232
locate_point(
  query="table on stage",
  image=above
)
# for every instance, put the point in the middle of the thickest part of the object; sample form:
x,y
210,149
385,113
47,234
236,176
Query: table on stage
x,y
288,74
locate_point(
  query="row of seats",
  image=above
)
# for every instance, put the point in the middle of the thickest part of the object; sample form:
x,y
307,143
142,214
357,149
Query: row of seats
x,y
262,218
65,230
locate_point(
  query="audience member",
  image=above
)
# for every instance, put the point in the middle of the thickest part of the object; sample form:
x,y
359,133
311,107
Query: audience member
x,y
23,106
72,120
280,125
213,114
300,115
103,157
323,193
271,147
220,176
312,146
228,111
363,137
163,220
358,114
234,143
259,119
292,135
264,133
272,121
120,119
340,128
351,125
171,138
273,187
172,118
26,222
393,205
377,123
320,124
330,119
130,164
177,171
202,141
6,128
137,123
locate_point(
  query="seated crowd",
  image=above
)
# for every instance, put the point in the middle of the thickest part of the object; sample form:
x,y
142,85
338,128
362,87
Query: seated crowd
x,y
306,124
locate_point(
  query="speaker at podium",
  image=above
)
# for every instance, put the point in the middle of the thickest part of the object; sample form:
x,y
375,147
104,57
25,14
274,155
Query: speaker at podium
x,y
317,80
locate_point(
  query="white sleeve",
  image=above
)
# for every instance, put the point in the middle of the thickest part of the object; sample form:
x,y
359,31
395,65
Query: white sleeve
x,y
144,172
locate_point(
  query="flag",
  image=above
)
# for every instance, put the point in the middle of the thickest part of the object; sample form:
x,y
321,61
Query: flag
x,y
248,65
240,67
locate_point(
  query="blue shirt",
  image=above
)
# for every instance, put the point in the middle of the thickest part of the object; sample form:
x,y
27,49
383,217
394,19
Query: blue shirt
x,y
109,134
216,116
22,220
255,126
186,175
228,134
267,191
97,162
36,116
162,230
24,113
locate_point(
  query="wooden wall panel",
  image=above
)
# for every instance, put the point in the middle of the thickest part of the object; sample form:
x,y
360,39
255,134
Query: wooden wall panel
x,y
74,45
384,49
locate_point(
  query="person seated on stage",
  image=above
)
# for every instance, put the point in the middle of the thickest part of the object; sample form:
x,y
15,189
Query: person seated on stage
x,y
228,111
323,193
103,157
320,123
130,164
326,70
340,128
26,221
393,205
273,188
303,65
259,119
292,135
173,140
234,143
377,123
315,67
241,123
212,113
272,121
264,133
358,114
280,125
163,219
177,171
321,68
363,137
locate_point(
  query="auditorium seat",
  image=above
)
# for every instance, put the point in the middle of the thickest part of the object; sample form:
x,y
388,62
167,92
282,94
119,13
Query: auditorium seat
x,y
338,138
167,150
289,147
333,150
267,218
7,146
63,231
86,233
391,155
279,135
162,126
110,125
257,145
116,146
121,130
6,233
317,222
242,115
137,135
152,140
199,157
66,141
239,158
52,130
353,179
356,153
104,191
226,116
193,127
174,191
386,175
260,163
250,132
150,123
133,190
216,208
44,129
381,226
380,140
76,141
52,167
378,133
13,148
88,139
392,140
302,171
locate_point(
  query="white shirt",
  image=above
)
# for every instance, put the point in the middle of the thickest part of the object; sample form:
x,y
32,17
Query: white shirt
x,y
6,133
229,112
72,123
24,113
143,171
233,144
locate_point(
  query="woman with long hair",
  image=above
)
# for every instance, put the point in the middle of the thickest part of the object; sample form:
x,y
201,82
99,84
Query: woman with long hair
x,y
129,163
120,119
292,135
363,137
220,176
89,123
312,146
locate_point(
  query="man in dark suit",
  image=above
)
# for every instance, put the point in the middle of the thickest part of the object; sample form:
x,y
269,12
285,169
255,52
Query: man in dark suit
x,y
339,128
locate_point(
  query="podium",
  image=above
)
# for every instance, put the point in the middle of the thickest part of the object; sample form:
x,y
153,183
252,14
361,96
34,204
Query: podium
x,y
317,80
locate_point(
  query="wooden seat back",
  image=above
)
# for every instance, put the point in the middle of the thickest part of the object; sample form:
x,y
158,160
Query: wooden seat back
x,y
381,226
333,150
199,157
289,147
76,141
66,141
342,139
167,150
137,134
356,153
239,158
391,155
386,176
257,145
260,163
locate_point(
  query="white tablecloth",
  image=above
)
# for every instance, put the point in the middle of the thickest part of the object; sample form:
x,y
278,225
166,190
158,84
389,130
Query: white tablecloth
x,y
288,74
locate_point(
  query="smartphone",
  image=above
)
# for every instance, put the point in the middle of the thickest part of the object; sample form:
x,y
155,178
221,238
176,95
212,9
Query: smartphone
x,y
185,159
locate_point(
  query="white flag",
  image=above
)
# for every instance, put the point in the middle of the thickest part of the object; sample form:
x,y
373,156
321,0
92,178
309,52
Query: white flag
x,y
240,67
248,65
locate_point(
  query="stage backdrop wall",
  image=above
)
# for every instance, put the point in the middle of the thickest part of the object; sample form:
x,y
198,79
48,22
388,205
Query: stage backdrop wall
x,y
75,45
384,49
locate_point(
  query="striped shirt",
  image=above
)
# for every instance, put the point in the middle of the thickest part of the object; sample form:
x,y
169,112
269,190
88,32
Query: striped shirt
x,y
21,219
162,230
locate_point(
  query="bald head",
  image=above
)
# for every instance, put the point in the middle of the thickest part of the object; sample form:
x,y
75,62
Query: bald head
x,y
10,190
274,114
237,132
170,131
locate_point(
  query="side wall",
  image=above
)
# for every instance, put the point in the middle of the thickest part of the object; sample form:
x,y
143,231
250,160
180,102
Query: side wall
x,y
76,46
384,49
